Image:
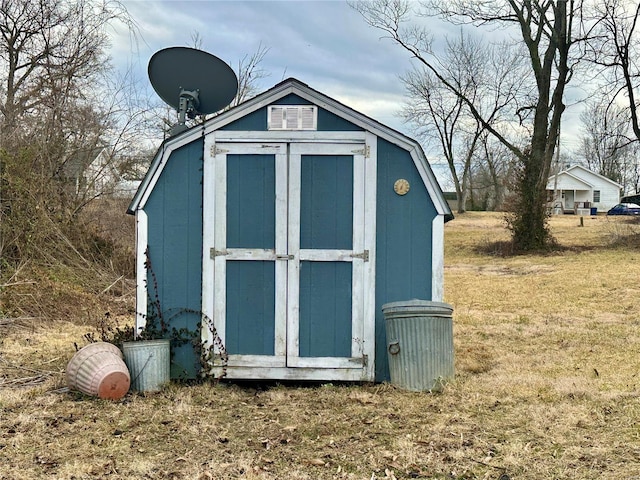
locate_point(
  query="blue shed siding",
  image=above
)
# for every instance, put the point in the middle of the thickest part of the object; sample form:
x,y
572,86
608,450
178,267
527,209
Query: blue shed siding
x,y
257,121
403,240
327,121
292,99
326,222
251,201
174,211
252,122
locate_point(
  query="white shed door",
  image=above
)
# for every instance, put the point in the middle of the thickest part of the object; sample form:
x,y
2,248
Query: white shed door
x,y
287,259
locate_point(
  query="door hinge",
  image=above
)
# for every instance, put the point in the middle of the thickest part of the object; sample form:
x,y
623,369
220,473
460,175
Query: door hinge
x,y
366,151
217,151
363,256
213,253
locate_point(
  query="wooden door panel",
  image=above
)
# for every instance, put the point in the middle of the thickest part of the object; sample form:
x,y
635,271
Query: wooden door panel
x,y
325,321
288,258
326,202
325,309
251,201
250,322
249,294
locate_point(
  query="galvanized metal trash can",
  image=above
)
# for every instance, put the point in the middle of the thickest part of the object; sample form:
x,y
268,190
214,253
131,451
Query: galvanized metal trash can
x,y
419,344
149,363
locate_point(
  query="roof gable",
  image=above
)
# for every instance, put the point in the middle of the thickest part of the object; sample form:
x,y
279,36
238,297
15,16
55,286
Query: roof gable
x,y
588,177
583,172
289,88
567,181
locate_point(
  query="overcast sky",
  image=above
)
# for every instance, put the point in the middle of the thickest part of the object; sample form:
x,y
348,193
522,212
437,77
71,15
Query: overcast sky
x,y
325,44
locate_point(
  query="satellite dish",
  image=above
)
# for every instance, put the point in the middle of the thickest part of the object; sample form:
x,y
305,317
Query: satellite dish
x,y
192,81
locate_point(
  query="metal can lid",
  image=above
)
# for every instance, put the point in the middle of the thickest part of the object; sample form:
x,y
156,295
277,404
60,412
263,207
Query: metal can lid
x,y
416,307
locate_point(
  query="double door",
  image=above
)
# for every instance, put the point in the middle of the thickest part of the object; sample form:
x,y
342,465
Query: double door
x,y
289,259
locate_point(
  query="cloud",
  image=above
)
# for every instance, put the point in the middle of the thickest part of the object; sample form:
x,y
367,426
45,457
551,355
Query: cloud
x,y
325,44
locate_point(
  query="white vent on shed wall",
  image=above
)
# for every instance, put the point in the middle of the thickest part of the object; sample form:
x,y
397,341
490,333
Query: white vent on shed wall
x,y
292,117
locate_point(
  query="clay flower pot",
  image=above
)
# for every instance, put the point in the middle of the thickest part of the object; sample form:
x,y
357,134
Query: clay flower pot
x,y
99,370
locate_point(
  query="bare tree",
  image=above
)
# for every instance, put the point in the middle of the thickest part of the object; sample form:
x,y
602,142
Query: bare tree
x,y
51,52
491,174
437,118
547,31
616,49
52,59
605,143
250,72
486,76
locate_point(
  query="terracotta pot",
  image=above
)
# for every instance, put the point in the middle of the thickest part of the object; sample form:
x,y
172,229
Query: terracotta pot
x,y
99,370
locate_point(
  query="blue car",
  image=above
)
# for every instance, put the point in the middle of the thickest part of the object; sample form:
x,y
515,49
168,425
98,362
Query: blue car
x,y
625,209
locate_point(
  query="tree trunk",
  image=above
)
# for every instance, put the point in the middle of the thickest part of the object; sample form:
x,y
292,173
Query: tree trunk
x,y
529,218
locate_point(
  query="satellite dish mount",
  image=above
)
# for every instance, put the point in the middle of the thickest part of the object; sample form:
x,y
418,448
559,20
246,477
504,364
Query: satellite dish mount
x,y
192,81
188,105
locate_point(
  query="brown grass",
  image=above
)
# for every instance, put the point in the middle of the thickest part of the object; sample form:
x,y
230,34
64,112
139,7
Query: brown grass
x,y
546,387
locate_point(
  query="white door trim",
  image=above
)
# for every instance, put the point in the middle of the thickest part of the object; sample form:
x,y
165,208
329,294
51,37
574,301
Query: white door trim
x,y
287,255
215,252
356,360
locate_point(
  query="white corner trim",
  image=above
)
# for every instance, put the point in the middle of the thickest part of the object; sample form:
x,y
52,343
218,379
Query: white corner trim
x,y
142,241
370,213
208,235
437,259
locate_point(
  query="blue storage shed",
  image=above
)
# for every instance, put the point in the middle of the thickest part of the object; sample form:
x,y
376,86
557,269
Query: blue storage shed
x,y
289,221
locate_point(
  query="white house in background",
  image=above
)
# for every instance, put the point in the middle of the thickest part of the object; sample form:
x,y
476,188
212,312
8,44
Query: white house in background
x,y
103,176
100,174
577,189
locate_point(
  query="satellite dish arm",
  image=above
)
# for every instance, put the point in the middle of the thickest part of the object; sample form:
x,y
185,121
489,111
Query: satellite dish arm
x,y
188,105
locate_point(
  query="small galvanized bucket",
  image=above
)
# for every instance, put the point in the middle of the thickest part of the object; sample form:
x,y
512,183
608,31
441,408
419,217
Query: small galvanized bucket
x,y
149,364
419,344
98,370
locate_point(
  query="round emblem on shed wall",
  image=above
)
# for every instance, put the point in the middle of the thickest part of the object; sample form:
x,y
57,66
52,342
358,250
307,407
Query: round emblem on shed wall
x,y
401,187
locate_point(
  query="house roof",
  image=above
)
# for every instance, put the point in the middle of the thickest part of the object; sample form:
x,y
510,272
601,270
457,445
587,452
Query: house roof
x,y
582,174
562,178
282,89
80,159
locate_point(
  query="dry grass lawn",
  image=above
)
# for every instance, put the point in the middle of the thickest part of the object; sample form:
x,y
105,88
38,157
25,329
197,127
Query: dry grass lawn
x,y
546,387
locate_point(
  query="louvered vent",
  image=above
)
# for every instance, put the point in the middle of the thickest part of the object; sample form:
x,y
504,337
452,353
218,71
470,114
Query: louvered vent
x,y
292,117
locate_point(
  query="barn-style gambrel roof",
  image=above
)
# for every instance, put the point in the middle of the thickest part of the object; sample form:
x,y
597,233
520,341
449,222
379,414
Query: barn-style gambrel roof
x,y
302,90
